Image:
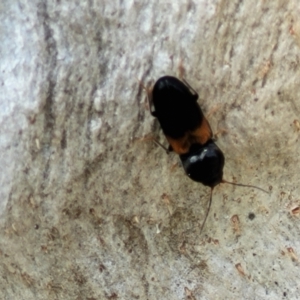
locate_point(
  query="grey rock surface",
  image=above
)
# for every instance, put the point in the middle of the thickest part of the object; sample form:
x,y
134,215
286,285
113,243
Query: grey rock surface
x,y
89,207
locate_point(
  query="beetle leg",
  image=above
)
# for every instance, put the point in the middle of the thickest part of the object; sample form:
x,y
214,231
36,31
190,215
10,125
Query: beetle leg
x,y
181,71
161,145
187,84
220,131
149,98
212,111
155,141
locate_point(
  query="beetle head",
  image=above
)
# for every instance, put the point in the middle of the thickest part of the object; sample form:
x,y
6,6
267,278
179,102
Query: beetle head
x,y
204,163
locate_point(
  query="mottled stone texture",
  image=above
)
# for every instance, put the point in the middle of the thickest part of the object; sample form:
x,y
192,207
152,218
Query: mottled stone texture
x,y
91,210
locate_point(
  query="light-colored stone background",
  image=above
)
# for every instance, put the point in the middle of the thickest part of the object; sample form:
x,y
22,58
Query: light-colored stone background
x,y
88,210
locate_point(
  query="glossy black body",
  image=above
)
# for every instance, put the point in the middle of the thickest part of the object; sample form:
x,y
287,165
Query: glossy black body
x,y
178,113
176,107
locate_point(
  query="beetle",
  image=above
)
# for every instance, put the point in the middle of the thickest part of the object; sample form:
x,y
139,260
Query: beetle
x,y
188,132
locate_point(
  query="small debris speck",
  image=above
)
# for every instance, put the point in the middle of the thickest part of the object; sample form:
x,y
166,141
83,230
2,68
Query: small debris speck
x,y
251,216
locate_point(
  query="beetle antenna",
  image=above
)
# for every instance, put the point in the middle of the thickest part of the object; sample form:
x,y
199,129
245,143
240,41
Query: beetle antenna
x,y
244,185
149,96
209,205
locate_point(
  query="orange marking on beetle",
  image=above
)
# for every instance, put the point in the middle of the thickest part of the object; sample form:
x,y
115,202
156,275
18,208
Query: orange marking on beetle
x,y
201,135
